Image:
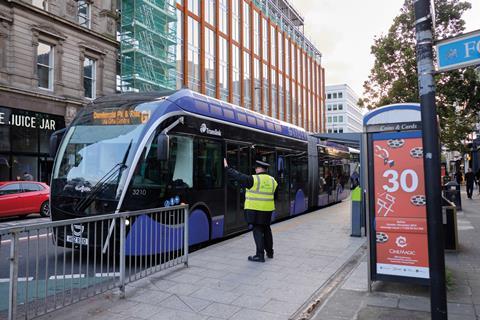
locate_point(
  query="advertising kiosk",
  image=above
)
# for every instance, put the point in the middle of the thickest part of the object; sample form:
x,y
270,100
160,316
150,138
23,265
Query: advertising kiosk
x,y
395,195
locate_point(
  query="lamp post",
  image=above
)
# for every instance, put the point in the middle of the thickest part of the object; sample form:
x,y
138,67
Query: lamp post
x,y
431,158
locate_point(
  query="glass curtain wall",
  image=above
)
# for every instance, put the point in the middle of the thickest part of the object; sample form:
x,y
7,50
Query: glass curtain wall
x,y
269,63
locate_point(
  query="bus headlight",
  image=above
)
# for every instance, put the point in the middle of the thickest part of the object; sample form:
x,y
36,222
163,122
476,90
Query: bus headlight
x,y
127,222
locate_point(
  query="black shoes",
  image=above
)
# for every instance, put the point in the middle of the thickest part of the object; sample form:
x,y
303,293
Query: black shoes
x,y
256,258
270,255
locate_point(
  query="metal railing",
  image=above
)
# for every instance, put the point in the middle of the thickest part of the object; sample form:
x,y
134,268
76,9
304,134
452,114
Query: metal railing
x,y
58,263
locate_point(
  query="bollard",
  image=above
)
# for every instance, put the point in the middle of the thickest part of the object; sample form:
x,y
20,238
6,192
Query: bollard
x,y
356,212
12,291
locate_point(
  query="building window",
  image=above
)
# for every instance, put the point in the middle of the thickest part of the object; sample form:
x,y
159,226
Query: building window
x,y
340,130
223,16
210,80
334,95
340,95
256,33
42,4
45,66
340,118
84,13
89,78
246,80
266,89
329,96
209,11
236,19
280,50
273,40
340,106
273,79
193,6
335,118
329,120
246,25
236,74
265,38
329,107
329,130
180,48
224,60
257,84
193,54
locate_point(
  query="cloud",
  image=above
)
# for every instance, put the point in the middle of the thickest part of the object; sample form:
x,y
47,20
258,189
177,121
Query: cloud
x,y
343,31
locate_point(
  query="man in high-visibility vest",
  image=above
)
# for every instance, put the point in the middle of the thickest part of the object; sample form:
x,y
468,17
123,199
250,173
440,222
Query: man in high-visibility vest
x,y
259,205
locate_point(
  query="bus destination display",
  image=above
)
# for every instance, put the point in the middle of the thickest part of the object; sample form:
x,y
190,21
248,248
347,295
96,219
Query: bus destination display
x,y
120,117
400,206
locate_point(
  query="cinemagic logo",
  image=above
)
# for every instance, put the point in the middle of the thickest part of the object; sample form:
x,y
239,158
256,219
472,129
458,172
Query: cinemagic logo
x,y
205,129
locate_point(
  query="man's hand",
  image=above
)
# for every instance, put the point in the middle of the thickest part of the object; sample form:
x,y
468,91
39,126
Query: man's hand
x,y
225,163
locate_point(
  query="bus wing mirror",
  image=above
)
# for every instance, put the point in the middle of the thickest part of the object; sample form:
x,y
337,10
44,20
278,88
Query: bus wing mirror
x,y
163,147
55,140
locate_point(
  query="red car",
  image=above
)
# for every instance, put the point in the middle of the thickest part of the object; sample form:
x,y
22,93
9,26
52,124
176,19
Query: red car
x,y
19,198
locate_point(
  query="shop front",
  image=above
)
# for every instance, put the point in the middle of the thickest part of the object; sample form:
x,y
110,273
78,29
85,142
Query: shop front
x,y
24,144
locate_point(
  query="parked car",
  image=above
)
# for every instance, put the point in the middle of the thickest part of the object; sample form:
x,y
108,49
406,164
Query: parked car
x,y
20,198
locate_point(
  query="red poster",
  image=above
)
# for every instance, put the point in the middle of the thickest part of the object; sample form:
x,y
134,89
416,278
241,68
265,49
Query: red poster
x,y
400,208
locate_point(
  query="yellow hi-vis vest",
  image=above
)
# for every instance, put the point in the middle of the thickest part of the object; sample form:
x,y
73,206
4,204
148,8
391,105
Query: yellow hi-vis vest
x,y
261,195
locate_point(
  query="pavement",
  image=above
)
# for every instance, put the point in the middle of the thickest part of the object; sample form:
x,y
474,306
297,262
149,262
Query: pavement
x,y
220,283
319,272
393,301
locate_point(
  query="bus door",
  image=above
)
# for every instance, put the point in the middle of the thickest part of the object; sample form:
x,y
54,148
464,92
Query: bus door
x,y
238,157
282,203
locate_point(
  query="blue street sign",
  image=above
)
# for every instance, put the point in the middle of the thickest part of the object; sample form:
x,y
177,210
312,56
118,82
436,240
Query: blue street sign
x,y
459,52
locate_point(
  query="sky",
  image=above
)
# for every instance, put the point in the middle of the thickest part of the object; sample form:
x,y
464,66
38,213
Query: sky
x,y
343,31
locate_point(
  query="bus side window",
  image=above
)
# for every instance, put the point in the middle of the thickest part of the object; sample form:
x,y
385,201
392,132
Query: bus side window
x,y
181,161
209,164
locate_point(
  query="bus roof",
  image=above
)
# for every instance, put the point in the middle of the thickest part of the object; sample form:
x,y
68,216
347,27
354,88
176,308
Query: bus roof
x,y
200,104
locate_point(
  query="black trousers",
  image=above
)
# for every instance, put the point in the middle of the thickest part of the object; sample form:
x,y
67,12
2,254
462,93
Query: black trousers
x,y
469,190
262,234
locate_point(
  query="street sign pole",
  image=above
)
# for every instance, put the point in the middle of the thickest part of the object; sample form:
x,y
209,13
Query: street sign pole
x,y
431,158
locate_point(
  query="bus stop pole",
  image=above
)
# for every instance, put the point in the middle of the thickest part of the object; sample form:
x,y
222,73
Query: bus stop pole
x,y
431,158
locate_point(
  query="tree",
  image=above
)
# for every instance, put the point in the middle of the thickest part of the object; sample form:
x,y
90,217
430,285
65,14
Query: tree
x,y
393,78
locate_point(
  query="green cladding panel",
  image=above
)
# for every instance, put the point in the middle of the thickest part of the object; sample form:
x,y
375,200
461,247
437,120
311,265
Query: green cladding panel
x,y
148,45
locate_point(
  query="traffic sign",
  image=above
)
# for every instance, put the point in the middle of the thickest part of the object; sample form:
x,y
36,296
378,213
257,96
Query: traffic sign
x,y
459,52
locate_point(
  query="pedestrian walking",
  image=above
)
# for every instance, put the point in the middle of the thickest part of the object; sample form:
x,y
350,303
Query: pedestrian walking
x,y
259,205
469,179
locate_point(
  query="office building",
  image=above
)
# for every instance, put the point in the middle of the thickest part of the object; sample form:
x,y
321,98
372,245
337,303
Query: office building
x,y
249,53
55,56
342,112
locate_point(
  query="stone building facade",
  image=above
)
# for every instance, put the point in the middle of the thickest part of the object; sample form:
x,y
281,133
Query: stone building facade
x,y
55,56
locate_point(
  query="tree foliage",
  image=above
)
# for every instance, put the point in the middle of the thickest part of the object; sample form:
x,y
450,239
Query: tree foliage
x,y
393,78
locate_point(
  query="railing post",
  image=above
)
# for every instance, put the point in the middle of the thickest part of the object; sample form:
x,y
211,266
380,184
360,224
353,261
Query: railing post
x,y
122,256
12,292
185,235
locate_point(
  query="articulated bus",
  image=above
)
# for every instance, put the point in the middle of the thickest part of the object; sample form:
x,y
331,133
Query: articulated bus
x,y
138,151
